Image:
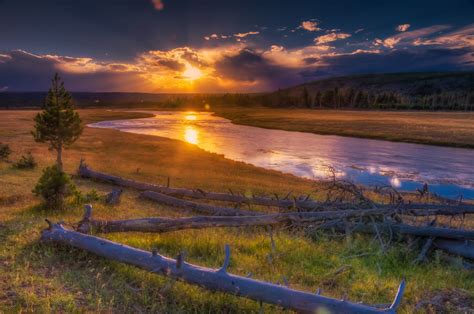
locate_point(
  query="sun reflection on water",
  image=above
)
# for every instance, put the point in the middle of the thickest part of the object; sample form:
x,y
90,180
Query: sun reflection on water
x,y
191,135
190,117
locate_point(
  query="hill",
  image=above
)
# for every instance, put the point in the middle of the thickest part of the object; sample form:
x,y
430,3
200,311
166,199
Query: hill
x,y
444,90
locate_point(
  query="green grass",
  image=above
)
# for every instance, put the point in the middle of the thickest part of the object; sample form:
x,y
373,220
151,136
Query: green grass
x,y
36,277
434,128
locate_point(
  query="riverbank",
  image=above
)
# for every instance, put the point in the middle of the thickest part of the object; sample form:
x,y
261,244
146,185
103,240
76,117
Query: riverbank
x,y
454,129
42,278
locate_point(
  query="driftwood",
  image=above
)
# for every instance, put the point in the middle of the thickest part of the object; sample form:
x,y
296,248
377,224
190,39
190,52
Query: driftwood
x,y
302,203
158,224
212,279
113,197
202,208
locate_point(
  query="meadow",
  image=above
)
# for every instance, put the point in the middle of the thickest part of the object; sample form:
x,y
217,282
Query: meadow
x,y
36,277
422,127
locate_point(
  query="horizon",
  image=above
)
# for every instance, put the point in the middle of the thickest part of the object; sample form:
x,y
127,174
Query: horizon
x,y
185,47
231,92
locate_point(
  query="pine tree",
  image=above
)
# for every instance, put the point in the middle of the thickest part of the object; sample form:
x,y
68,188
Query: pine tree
x,y
58,124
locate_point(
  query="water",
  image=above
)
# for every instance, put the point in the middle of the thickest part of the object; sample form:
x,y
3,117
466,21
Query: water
x,y
448,171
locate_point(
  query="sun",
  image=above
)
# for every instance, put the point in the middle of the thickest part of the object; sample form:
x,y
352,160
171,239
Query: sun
x,y
192,73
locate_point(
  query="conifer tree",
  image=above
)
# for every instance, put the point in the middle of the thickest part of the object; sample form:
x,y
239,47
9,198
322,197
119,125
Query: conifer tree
x,y
58,124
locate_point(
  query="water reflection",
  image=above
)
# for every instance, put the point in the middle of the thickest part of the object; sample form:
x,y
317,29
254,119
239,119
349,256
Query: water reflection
x,y
191,135
448,171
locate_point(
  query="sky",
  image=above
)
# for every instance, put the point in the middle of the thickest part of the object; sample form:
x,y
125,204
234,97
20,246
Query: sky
x,y
175,46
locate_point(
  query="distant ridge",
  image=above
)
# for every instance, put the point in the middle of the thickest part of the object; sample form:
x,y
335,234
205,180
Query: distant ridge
x,y
414,84
435,90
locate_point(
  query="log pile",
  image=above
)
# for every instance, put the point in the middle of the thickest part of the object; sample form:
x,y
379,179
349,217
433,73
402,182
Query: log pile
x,y
398,219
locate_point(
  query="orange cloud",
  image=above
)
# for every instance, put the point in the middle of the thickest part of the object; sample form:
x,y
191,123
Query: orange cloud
x,y
330,37
310,26
409,36
402,27
243,35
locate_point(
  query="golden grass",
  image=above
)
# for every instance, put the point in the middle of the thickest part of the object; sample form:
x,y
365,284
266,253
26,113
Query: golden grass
x,y
40,278
437,128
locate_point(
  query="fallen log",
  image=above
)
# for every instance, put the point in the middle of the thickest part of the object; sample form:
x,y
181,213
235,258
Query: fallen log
x,y
202,208
113,198
212,279
449,240
86,172
462,248
161,225
298,203
401,228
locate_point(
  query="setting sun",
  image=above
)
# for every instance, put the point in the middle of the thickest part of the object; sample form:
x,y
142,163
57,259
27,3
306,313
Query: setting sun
x,y
192,73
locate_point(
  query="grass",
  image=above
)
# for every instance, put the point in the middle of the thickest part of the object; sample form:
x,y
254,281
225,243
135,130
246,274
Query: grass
x,y
35,277
434,128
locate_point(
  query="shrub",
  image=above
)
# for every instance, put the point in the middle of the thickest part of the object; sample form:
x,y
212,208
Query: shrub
x,y
5,151
54,186
79,198
26,162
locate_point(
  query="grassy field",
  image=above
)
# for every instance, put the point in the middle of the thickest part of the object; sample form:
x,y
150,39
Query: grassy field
x,y
35,277
436,128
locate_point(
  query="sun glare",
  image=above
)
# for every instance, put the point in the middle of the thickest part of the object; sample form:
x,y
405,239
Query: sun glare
x,y
190,117
192,73
191,135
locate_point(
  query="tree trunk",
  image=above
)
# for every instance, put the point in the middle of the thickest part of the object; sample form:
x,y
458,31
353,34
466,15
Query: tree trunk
x,y
202,208
462,248
59,158
113,198
212,279
158,224
298,203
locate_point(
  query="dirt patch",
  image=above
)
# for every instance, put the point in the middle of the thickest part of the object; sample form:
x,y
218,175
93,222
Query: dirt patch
x,y
447,301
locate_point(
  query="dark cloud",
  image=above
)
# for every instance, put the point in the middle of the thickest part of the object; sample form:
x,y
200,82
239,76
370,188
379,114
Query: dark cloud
x,y
171,64
23,71
438,59
251,66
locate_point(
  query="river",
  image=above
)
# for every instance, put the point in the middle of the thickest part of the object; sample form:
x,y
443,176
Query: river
x,y
449,172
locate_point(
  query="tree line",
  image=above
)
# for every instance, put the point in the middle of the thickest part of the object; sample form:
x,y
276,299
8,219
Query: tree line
x,y
340,98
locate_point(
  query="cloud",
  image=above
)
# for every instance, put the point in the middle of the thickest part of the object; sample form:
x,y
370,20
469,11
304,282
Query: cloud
x,y
243,35
330,37
402,27
409,36
236,66
396,61
359,30
24,71
310,26
158,4
463,37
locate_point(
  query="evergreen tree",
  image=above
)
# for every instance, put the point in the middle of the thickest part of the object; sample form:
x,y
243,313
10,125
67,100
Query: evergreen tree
x,y
58,124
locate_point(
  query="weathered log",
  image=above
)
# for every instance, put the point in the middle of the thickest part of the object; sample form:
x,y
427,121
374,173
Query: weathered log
x,y
401,228
203,208
158,224
299,203
113,197
86,172
462,248
212,279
